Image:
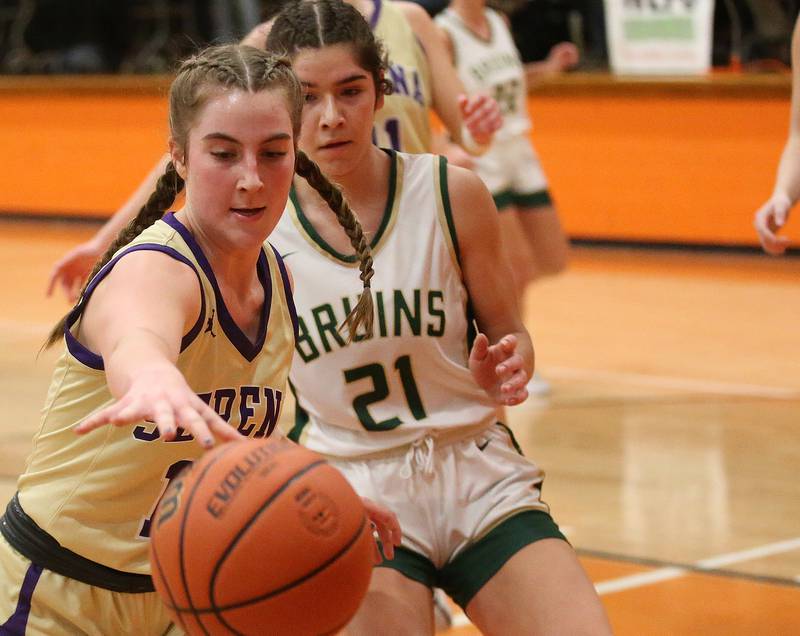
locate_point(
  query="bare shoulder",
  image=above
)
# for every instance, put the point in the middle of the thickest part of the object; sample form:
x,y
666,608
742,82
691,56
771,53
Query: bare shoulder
x,y
156,273
471,203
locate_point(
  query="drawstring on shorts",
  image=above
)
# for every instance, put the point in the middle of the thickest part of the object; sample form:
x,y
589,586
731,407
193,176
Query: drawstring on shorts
x,y
418,457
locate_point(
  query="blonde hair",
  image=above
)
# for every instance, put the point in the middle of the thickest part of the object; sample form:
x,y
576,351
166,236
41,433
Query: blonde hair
x,y
252,70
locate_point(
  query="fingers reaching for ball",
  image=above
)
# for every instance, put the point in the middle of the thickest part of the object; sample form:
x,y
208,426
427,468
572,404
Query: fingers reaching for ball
x,y
385,524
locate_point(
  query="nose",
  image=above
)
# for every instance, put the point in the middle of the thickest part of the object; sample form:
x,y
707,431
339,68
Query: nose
x,y
249,178
331,115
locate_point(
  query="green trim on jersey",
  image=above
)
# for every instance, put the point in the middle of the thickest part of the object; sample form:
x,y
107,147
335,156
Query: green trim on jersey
x,y
308,230
445,213
301,419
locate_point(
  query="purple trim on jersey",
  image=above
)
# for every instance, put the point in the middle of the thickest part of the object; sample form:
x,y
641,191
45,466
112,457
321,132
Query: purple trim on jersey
x,y
248,349
376,14
16,625
90,358
287,288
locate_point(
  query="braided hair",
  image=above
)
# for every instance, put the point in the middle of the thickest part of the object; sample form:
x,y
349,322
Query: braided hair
x,y
231,67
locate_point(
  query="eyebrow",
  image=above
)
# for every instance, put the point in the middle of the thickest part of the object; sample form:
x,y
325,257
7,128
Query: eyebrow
x,y
224,137
346,80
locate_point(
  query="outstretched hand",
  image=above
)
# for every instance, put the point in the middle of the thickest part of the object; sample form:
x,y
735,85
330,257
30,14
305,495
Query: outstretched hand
x,y
481,116
71,270
770,218
385,523
168,401
499,369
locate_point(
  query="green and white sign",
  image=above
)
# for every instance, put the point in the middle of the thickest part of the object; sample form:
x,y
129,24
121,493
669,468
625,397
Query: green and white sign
x,y
647,37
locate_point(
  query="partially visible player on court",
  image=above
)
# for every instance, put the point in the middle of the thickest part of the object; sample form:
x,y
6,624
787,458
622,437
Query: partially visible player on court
x,y
482,49
771,217
417,57
184,333
410,412
480,44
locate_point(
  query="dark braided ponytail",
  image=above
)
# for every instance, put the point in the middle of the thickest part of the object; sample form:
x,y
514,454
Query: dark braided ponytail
x,y
362,313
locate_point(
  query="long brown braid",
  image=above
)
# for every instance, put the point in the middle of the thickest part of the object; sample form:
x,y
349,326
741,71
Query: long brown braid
x,y
363,312
198,79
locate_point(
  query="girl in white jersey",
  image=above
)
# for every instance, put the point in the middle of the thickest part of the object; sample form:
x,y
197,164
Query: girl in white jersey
x,y
409,413
483,51
417,57
184,332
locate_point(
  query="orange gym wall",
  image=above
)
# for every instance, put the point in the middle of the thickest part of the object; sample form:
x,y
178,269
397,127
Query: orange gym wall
x,y
647,161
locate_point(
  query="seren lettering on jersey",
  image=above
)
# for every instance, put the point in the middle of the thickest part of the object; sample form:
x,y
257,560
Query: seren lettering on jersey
x,y
255,408
397,313
406,82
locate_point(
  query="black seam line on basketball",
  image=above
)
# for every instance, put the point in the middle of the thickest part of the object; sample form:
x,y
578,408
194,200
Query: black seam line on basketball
x,y
693,569
212,584
187,508
243,531
224,608
161,574
215,608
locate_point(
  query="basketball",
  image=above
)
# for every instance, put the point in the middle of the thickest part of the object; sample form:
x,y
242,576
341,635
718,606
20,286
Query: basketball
x,y
261,537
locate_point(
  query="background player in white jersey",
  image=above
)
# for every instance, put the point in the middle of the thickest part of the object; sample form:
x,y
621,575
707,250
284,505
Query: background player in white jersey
x,y
482,48
186,330
417,56
410,412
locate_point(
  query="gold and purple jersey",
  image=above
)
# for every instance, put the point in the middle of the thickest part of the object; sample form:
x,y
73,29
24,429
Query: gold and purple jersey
x,y
403,123
95,493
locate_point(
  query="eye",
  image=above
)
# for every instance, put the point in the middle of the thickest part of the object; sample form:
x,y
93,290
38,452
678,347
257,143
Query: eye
x,y
308,97
273,154
351,92
223,155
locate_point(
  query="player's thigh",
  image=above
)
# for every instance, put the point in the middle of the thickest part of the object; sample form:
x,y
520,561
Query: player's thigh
x,y
541,590
542,231
394,606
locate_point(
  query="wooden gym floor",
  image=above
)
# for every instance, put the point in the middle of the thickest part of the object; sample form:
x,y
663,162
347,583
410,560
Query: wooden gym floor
x,y
670,439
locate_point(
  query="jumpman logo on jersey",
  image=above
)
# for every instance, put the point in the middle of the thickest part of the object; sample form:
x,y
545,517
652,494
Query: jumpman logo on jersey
x,y
210,325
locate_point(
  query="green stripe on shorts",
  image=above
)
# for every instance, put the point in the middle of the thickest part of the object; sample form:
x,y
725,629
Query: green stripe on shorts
x,y
507,198
412,565
465,575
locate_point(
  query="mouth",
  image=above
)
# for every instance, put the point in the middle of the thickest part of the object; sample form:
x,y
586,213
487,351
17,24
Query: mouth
x,y
248,212
333,145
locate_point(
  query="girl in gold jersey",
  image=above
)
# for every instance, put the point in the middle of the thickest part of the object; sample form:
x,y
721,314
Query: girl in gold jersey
x,y
424,80
183,334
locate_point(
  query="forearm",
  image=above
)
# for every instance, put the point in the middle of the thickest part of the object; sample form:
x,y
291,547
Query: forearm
x,y
139,354
787,181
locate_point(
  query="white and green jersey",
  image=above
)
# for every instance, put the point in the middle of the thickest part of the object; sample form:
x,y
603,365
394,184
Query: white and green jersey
x,y
410,379
491,66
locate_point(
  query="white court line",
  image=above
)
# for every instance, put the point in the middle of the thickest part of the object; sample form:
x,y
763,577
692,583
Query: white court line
x,y
666,573
667,382
673,572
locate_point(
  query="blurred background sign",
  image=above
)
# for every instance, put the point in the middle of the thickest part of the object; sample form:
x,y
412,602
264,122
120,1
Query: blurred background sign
x,y
659,36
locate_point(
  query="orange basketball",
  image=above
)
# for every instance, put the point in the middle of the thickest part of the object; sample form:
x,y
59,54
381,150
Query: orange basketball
x,y
261,537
